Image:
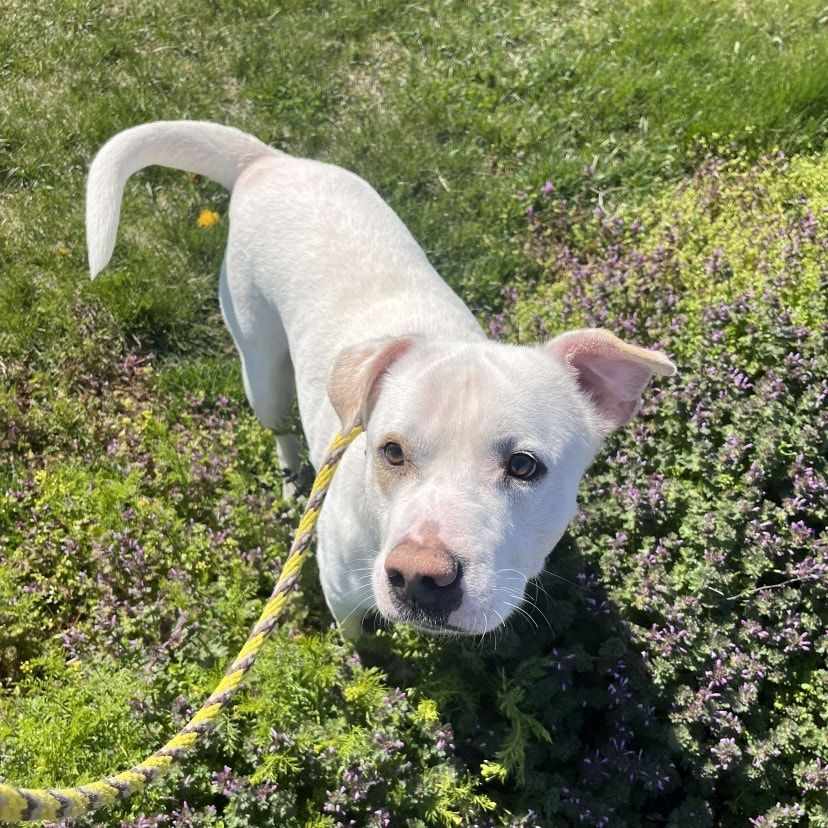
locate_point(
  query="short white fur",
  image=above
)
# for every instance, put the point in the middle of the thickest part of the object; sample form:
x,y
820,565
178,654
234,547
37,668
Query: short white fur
x,y
325,290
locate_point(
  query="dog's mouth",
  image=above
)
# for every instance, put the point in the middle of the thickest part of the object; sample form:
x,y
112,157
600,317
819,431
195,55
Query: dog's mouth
x,y
454,624
376,620
436,626
471,620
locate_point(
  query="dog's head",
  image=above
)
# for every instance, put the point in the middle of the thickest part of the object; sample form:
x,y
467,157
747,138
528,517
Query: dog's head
x,y
475,452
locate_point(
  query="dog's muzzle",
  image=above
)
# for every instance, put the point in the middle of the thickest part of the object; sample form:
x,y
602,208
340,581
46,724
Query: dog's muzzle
x,y
425,583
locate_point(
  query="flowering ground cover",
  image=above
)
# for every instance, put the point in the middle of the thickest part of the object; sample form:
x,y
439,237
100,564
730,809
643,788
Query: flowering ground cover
x,y
562,168
706,528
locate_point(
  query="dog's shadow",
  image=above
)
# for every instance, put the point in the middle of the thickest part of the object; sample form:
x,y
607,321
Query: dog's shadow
x,y
557,704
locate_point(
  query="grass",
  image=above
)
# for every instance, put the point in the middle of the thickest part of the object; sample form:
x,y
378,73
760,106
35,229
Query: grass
x,y
455,112
446,108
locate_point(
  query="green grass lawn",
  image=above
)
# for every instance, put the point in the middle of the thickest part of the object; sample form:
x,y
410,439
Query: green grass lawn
x,y
141,521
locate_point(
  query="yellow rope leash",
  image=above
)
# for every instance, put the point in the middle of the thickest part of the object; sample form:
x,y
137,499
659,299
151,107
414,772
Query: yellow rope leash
x,y
28,804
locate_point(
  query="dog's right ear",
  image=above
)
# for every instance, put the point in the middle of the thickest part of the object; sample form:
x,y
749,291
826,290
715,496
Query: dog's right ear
x,y
354,380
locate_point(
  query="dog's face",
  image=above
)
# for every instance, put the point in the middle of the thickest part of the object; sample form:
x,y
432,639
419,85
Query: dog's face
x,y
473,467
474,455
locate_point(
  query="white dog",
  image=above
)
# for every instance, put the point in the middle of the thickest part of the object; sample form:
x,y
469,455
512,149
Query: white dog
x,y
468,471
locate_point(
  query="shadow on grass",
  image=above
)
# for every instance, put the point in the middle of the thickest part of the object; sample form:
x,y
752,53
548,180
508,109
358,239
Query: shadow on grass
x,y
557,709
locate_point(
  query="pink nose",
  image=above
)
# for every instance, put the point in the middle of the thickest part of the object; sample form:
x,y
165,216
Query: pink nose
x,y
424,578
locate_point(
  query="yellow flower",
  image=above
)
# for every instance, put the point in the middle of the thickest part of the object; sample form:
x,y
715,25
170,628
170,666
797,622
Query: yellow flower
x,y
208,218
427,710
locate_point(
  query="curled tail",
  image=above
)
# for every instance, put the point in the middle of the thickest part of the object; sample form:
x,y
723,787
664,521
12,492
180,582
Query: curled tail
x,y
217,152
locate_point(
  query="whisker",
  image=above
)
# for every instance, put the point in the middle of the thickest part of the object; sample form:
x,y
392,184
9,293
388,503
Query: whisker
x,y
366,570
523,602
366,560
484,633
540,611
367,602
538,585
364,586
504,571
549,573
519,610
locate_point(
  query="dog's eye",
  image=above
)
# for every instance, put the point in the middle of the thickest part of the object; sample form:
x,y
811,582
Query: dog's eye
x,y
522,466
393,454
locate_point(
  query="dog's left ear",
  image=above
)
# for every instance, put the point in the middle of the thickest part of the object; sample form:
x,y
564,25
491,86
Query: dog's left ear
x,y
612,373
354,379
